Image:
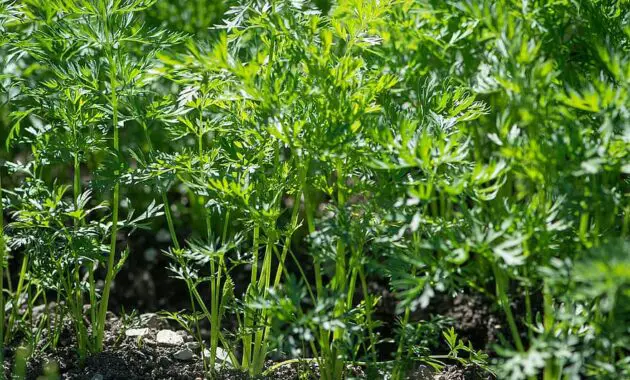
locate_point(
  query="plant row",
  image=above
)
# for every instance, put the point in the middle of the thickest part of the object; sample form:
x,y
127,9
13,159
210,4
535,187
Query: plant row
x,y
433,148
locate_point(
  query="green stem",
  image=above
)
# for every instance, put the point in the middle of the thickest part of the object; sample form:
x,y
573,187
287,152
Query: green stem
x,y
112,248
352,285
165,203
340,269
226,223
293,225
340,278
550,371
264,281
215,287
324,339
200,155
626,222
59,314
399,366
368,311
93,300
501,291
528,308
16,299
248,318
2,258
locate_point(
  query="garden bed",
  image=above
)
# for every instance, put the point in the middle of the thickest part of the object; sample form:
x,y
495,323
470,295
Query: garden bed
x,y
315,189
148,347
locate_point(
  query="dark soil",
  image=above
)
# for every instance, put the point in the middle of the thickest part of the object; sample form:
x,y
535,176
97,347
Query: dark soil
x,y
145,286
134,358
475,320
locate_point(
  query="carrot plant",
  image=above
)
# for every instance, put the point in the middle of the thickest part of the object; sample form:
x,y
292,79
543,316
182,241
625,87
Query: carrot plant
x,y
328,173
85,47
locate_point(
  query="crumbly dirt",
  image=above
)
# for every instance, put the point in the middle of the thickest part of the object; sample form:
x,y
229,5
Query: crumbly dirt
x,y
475,321
469,372
135,358
124,357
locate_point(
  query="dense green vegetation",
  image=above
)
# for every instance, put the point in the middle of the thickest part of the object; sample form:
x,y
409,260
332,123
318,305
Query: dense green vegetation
x,y
431,147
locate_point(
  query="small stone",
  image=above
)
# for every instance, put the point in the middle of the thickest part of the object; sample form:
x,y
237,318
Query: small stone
x,y
169,338
222,356
194,346
98,376
183,354
137,332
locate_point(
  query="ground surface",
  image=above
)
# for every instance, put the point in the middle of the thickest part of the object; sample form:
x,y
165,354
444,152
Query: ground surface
x,y
146,285
137,349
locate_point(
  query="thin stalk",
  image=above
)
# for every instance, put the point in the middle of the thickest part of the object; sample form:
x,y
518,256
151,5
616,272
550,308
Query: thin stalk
x,y
340,268
224,343
293,225
626,222
309,288
550,371
165,203
29,314
583,228
207,215
76,190
355,266
215,302
169,220
7,274
528,313
58,318
216,297
2,258
226,223
352,285
548,320
248,318
112,249
340,277
76,312
324,339
261,338
310,291
501,292
215,286
368,311
16,299
310,224
398,367
528,308
78,301
259,352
